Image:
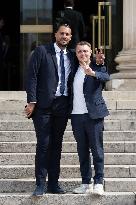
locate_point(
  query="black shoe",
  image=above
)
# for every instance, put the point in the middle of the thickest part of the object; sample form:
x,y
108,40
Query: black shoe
x,y
39,190
55,190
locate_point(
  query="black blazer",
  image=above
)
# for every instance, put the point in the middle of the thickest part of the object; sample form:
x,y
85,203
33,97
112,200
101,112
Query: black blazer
x,y
42,75
92,89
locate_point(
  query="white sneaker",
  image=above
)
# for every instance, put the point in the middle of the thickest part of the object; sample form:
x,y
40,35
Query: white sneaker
x,y
90,189
98,189
83,189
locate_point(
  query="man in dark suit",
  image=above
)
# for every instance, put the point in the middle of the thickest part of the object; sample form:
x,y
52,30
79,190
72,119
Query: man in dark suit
x,y
48,90
74,19
88,112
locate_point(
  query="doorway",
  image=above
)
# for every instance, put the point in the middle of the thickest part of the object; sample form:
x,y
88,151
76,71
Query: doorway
x,y
9,70
83,7
116,37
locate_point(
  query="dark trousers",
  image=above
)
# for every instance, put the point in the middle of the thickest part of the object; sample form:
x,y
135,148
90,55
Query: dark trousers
x,y
88,134
50,125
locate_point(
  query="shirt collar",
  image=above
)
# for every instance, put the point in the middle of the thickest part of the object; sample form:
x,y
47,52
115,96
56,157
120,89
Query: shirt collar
x,y
57,49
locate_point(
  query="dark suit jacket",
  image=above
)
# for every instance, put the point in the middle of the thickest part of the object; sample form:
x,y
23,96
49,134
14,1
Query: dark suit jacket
x,y
42,75
92,89
76,22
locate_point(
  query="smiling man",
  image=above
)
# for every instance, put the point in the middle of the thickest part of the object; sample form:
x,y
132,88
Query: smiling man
x,y
89,110
47,86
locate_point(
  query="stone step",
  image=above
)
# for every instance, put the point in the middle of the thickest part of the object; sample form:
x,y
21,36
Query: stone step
x,y
12,95
107,136
121,115
119,95
109,146
21,95
124,104
121,104
20,136
109,198
67,171
13,115
109,125
12,100
27,185
114,115
17,106
110,158
115,125
67,159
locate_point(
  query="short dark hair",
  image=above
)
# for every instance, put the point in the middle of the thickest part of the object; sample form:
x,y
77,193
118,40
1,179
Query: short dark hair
x,y
62,24
69,3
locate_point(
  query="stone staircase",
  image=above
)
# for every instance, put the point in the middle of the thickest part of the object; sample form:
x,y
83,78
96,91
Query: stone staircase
x,y
17,152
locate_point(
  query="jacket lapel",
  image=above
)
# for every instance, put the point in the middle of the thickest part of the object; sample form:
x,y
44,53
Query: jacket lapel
x,y
51,51
53,54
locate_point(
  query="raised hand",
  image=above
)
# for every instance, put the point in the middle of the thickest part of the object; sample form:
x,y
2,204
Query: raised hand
x,y
99,56
87,69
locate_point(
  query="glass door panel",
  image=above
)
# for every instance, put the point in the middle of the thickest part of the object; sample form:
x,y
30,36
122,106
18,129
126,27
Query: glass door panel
x,y
35,29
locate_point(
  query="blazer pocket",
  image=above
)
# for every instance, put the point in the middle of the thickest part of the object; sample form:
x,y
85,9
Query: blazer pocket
x,y
99,101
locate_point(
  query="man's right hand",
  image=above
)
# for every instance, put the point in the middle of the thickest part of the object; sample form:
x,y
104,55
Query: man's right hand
x,y
29,108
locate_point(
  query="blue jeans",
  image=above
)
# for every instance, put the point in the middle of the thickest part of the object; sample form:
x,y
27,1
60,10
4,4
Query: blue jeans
x,y
88,134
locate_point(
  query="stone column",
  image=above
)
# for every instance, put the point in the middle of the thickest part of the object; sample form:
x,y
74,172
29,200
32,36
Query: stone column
x,y
125,79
